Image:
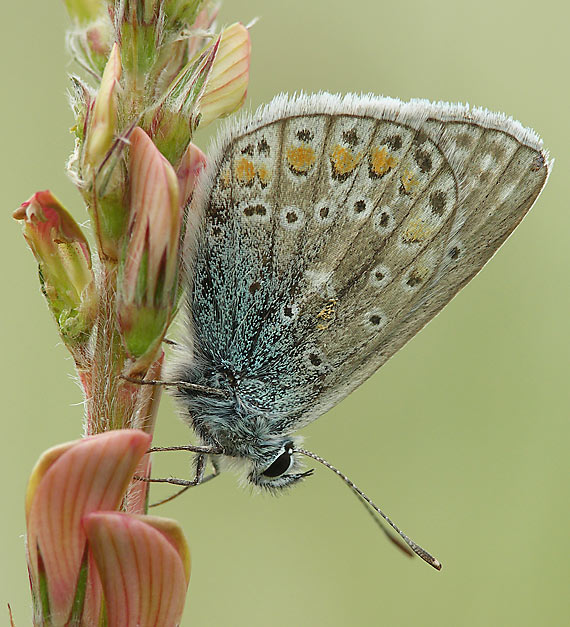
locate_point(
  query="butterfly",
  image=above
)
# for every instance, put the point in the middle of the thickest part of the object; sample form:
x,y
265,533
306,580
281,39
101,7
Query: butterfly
x,y
325,232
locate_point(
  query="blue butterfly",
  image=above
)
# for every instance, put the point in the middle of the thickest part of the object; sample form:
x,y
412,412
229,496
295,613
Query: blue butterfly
x,y
324,234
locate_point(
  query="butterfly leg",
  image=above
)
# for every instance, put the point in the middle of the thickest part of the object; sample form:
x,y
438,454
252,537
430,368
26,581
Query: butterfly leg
x,y
165,340
199,479
192,387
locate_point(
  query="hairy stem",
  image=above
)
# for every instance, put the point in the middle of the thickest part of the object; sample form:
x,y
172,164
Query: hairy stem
x,y
108,407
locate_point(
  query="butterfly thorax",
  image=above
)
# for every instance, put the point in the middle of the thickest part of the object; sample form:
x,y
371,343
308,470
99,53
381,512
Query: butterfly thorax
x,y
230,421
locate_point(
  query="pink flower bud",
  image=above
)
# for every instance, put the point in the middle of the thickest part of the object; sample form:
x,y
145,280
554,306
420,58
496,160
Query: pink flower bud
x,y
149,264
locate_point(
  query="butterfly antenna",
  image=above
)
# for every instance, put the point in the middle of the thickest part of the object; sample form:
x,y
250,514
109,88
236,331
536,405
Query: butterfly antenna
x,y
394,539
416,548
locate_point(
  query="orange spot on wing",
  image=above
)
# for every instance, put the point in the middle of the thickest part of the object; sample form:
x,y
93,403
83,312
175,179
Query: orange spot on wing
x,y
409,181
301,158
263,175
344,160
381,161
417,231
327,314
245,171
226,178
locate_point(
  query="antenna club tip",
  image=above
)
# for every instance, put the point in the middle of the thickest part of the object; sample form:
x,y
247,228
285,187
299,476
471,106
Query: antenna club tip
x,y
437,564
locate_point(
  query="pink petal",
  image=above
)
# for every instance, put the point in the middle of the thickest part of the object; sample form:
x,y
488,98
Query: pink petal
x,y
154,203
192,163
135,501
144,567
67,483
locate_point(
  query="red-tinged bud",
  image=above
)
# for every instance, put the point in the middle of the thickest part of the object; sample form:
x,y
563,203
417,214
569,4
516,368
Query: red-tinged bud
x,y
149,264
64,260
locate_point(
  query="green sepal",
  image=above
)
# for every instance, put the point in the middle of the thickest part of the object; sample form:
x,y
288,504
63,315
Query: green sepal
x,y
84,11
44,606
181,12
138,51
173,135
112,220
80,592
148,327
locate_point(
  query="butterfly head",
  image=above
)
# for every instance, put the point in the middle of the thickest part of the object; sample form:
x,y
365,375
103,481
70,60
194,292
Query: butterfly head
x,y
278,467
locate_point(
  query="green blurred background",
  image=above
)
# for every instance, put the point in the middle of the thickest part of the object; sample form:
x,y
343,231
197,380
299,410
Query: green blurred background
x,y
462,437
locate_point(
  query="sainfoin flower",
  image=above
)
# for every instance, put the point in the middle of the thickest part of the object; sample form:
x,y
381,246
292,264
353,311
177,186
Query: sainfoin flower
x,y
227,82
85,559
149,264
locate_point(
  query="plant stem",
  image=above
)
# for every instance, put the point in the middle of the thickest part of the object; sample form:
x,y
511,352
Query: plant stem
x,y
106,407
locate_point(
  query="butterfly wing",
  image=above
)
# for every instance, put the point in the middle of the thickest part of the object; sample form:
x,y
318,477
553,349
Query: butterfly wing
x,y
334,229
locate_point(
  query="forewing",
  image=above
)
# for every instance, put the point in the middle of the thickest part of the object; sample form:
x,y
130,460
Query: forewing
x,y
334,230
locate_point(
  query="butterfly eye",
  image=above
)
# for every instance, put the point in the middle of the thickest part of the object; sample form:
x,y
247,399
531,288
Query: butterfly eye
x,y
281,465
